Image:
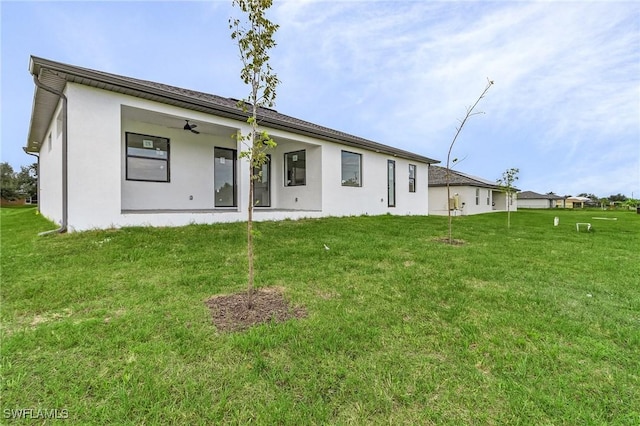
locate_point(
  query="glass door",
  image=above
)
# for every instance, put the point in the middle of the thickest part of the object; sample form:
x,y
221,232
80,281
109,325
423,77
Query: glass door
x,y
224,177
391,183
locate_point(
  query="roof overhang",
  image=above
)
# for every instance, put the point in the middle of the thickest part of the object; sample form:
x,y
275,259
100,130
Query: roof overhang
x,y
56,75
44,105
438,178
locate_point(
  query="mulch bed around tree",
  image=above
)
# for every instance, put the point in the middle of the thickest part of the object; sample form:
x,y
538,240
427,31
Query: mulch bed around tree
x,y
231,313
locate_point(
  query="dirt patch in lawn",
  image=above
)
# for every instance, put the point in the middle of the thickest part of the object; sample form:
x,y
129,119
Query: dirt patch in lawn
x,y
231,312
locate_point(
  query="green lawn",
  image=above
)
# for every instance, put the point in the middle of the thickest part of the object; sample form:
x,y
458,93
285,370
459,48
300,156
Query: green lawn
x,y
533,325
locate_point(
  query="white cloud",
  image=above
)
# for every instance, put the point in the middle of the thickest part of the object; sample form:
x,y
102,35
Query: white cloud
x,y
565,107
567,77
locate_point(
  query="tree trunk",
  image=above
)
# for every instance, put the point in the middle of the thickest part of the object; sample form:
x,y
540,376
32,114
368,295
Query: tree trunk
x,y
250,243
449,208
508,210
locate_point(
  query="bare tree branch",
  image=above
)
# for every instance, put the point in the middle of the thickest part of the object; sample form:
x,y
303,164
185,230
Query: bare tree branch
x,y
469,114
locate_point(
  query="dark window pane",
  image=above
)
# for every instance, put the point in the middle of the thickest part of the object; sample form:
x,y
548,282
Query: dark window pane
x,y
296,168
412,178
147,158
146,169
262,185
351,169
391,183
224,177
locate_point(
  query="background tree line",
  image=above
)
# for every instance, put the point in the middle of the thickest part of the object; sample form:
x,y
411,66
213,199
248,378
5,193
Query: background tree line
x,y
16,185
619,199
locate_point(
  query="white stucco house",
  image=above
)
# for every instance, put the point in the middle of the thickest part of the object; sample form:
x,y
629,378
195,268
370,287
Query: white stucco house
x,y
469,194
533,200
118,151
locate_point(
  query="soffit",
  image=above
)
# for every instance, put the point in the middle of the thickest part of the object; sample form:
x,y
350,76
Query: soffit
x,y
43,108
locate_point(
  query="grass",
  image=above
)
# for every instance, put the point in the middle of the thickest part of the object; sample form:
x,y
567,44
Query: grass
x,y
532,325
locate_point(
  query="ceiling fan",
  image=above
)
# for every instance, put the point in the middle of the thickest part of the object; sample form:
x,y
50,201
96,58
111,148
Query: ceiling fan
x,y
191,127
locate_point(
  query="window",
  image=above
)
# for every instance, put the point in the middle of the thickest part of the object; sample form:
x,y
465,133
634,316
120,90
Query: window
x,y
477,196
147,158
296,168
351,169
224,177
412,178
488,196
391,183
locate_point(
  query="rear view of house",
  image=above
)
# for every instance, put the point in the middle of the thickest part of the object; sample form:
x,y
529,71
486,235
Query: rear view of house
x,y
117,151
469,194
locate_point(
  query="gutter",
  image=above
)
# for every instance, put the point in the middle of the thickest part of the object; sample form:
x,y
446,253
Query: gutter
x,y
65,197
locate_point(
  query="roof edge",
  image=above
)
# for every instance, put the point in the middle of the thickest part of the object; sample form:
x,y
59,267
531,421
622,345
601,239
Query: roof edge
x,y
36,64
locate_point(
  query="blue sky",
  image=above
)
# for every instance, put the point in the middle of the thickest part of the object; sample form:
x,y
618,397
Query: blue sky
x,y
565,107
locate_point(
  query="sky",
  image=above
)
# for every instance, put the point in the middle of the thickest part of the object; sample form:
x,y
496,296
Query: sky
x,y
564,108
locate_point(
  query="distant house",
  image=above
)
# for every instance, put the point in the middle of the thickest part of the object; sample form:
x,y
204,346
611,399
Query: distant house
x,y
576,202
533,200
469,194
118,151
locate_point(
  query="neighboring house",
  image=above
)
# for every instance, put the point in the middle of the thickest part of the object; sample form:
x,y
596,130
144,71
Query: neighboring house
x,y
117,151
576,202
533,200
469,194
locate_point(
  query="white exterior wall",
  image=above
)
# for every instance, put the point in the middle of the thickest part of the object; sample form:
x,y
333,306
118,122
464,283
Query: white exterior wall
x,y
466,194
93,158
101,197
303,197
50,173
438,201
371,198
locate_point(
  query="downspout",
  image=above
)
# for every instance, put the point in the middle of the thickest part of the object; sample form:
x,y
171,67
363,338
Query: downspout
x,y
65,198
24,148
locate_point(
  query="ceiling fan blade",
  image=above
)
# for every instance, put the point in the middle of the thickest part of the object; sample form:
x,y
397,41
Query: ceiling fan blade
x,y
191,127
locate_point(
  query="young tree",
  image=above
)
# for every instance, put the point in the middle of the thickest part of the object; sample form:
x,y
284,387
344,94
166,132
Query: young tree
x,y
254,36
506,182
447,175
